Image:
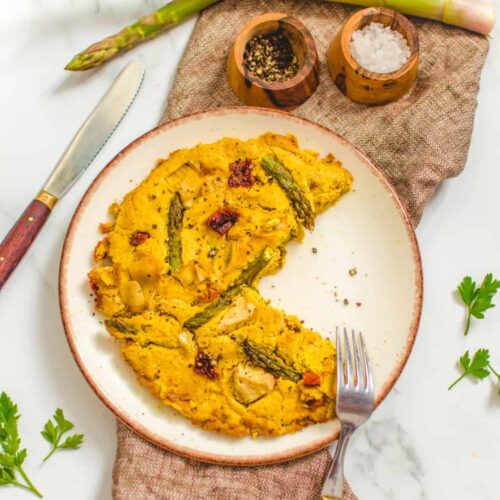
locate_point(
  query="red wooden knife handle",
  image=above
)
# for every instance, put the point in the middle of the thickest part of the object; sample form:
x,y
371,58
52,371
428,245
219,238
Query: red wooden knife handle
x,y
20,237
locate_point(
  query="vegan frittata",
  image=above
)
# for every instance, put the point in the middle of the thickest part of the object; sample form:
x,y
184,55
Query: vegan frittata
x,y
176,276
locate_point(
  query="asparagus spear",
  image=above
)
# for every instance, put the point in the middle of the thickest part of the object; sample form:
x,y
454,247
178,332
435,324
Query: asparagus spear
x,y
223,302
246,278
474,15
120,326
144,29
175,215
284,178
270,362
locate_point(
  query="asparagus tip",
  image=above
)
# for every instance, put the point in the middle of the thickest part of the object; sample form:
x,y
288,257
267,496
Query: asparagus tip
x,y
90,58
72,65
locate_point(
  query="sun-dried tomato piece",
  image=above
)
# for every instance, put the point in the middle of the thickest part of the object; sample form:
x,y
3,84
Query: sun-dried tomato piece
x,y
241,173
311,379
204,365
138,238
210,292
93,285
222,220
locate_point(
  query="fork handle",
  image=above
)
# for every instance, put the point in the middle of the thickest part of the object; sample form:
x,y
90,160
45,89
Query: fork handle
x,y
333,488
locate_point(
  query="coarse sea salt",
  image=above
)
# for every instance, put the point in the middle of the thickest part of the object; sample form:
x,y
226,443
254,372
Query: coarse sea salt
x,y
380,49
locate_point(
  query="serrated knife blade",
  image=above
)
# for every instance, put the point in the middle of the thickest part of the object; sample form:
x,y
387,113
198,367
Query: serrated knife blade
x,y
96,130
88,141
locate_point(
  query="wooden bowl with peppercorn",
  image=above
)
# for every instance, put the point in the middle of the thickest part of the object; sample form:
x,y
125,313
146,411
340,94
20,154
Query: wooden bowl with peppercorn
x,y
273,62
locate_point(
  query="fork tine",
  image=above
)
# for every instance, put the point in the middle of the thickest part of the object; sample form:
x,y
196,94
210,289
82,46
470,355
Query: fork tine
x,y
354,402
348,360
340,360
366,362
358,368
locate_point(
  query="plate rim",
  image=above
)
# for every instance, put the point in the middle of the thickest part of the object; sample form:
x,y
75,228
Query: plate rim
x,y
161,441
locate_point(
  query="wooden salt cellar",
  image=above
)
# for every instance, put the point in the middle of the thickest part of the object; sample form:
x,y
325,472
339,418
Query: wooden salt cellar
x,y
287,95
364,86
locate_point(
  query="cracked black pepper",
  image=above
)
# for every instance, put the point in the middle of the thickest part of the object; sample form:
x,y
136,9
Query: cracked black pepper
x,y
271,58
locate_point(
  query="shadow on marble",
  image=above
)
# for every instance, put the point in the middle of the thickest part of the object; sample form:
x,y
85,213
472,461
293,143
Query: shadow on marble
x,y
74,80
494,399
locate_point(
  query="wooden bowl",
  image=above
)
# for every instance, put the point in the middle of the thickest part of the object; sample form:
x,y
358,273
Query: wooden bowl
x,y
252,90
365,86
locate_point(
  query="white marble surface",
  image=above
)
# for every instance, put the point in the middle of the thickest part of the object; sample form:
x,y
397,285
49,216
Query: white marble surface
x,y
422,443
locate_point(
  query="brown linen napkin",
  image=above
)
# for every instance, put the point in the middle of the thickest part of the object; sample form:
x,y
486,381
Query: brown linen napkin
x,y
417,142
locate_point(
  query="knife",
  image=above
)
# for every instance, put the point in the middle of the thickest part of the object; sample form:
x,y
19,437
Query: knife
x,y
88,141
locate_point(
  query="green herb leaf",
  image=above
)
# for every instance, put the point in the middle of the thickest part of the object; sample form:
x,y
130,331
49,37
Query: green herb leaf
x,y
7,461
63,424
54,433
20,457
49,431
467,290
477,300
6,476
73,441
479,365
465,361
477,368
11,458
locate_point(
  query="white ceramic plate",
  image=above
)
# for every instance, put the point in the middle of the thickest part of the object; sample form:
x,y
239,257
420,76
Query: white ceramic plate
x,y
368,230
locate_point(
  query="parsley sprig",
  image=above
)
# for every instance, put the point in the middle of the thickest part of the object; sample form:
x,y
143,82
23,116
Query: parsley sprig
x,y
53,433
477,368
477,300
12,458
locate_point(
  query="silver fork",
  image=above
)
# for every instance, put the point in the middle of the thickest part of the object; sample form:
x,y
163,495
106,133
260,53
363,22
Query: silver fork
x,y
354,404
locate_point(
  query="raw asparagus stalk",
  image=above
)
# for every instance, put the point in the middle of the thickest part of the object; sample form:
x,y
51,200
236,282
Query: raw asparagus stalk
x,y
270,362
175,215
474,15
246,278
284,178
144,29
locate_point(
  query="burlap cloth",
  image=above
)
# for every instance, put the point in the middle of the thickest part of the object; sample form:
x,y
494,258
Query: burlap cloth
x,y
417,142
